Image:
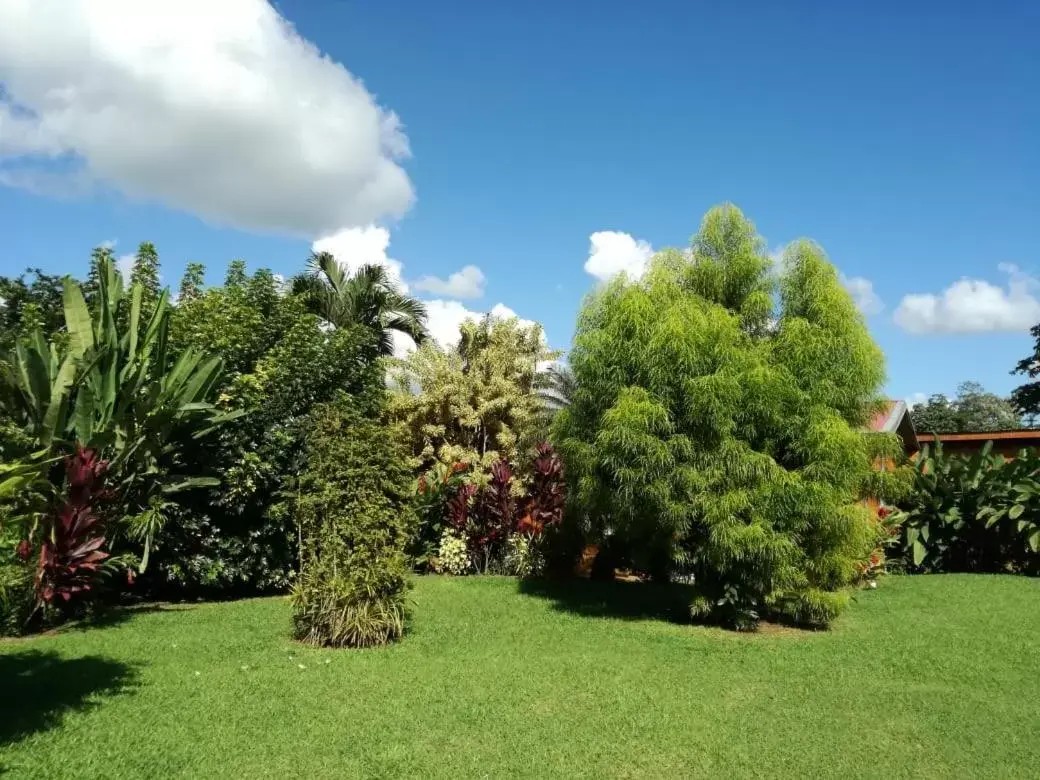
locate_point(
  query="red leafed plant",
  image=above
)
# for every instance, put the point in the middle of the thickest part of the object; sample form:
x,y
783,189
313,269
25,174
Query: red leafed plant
x,y
493,515
70,552
544,503
458,506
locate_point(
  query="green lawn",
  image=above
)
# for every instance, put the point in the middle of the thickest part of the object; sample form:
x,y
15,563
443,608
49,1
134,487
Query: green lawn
x,y
924,677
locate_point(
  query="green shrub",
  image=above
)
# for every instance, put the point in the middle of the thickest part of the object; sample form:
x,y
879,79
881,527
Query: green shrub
x,y
977,513
354,510
17,594
715,429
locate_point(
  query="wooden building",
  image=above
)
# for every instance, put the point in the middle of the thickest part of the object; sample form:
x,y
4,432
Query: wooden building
x,y
1006,443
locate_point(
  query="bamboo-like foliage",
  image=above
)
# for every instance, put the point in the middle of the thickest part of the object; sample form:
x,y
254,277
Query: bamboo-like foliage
x,y
715,426
116,389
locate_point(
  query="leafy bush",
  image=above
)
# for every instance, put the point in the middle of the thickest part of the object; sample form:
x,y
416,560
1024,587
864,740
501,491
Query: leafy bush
x,y
491,511
714,433
453,553
115,388
282,362
522,556
975,513
17,591
355,516
434,491
476,403
71,538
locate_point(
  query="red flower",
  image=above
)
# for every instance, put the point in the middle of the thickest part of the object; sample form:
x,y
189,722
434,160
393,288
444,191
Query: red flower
x,y
130,577
875,559
883,512
24,549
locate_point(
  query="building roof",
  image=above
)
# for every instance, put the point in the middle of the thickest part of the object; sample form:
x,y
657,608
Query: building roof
x,y
894,417
887,420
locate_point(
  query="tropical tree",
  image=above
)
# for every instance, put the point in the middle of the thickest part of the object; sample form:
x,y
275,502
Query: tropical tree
x,y
556,387
716,430
280,361
972,409
369,297
477,402
26,305
192,282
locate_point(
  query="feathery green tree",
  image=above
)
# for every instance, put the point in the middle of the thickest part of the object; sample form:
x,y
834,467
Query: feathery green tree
x,y
145,272
192,282
716,427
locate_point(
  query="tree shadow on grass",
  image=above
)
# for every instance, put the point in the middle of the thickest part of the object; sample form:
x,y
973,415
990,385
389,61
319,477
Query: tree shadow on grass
x,y
117,614
613,599
40,687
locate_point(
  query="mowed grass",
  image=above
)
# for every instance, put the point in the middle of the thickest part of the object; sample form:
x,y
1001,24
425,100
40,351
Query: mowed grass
x,y
924,677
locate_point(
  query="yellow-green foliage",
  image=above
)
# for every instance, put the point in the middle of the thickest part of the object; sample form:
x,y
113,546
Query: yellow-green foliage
x,y
477,402
716,428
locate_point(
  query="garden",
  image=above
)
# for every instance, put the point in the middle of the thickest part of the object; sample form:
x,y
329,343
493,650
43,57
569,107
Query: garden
x,y
243,533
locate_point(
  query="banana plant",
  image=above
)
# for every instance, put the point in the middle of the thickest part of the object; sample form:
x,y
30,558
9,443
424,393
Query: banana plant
x,y
117,389
978,513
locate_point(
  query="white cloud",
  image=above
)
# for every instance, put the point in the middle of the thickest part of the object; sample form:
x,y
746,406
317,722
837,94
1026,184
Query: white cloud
x,y
863,295
443,319
125,264
465,283
217,108
914,399
109,243
355,247
974,306
612,252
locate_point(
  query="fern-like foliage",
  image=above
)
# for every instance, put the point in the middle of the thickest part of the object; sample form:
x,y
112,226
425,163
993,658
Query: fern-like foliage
x,y
716,428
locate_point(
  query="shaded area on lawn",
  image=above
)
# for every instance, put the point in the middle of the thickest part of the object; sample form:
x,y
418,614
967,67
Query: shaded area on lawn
x,y
116,614
614,599
40,687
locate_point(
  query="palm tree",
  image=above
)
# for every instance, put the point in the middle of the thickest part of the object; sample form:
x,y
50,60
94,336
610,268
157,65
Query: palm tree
x,y
556,387
368,297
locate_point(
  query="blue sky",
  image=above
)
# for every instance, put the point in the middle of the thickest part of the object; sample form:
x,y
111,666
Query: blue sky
x,y
904,140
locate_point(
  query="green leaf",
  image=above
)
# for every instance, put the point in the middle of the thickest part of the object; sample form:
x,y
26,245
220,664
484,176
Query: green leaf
x,y
1016,511
190,483
135,321
920,552
77,319
1034,540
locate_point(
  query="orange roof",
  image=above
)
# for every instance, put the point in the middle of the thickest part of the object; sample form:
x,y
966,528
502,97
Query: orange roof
x,y
879,422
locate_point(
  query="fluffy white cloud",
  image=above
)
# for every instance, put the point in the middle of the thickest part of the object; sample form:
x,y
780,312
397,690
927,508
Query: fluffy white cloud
x,y
612,252
973,306
465,283
355,247
443,319
217,108
125,264
863,295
